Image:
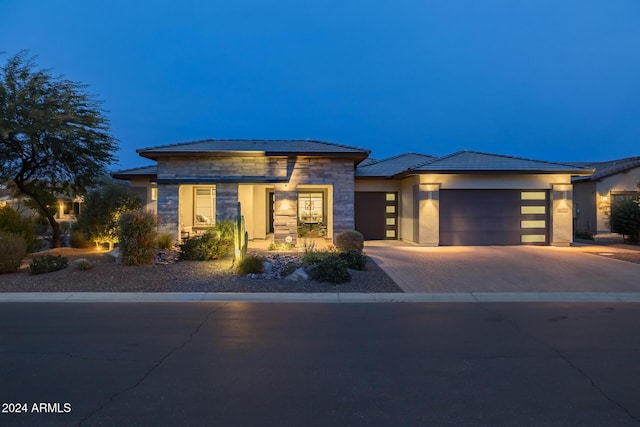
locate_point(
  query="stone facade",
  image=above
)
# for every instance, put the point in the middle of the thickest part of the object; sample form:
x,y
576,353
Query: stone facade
x,y
334,174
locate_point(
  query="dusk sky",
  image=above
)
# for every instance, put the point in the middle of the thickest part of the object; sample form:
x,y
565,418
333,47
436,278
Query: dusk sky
x,y
552,80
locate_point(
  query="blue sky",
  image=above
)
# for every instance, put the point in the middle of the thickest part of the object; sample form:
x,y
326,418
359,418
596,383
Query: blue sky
x,y
551,80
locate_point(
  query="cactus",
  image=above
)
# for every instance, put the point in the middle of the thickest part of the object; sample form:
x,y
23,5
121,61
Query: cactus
x,y
240,237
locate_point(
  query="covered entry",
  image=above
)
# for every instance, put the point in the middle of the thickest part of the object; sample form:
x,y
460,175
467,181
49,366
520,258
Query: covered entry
x,y
494,217
376,215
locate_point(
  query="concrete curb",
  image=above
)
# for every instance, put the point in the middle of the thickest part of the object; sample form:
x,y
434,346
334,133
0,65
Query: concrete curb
x,y
110,297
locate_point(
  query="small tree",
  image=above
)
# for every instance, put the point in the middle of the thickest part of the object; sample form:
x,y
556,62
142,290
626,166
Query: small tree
x,y
103,207
625,219
54,138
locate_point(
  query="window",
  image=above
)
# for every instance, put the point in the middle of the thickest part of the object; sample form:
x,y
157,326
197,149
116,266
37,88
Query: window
x,y
311,208
154,193
624,196
533,195
204,206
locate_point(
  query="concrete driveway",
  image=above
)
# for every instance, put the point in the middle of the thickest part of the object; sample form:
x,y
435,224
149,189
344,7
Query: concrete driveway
x,y
505,268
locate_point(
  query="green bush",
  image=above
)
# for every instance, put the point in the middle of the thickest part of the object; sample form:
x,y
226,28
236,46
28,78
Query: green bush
x,y
205,247
350,240
79,240
103,207
625,219
354,260
250,264
13,222
273,246
47,264
82,264
137,237
165,241
13,249
222,230
331,269
314,257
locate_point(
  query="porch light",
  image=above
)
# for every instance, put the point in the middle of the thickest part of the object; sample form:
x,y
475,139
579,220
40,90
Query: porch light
x,y
605,198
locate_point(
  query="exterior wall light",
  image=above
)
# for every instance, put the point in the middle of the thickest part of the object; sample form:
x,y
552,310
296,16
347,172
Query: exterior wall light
x,y
605,198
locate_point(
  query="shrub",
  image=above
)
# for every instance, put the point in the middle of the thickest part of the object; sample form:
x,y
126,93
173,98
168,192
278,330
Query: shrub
x,y
165,241
137,237
47,264
79,240
273,246
13,222
82,264
350,240
331,269
250,264
13,249
314,257
205,247
625,219
354,260
103,206
222,230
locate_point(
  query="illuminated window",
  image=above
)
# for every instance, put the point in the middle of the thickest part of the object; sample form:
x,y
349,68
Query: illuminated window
x,y
533,195
391,221
391,233
154,193
391,209
391,197
311,208
204,206
533,224
533,238
533,210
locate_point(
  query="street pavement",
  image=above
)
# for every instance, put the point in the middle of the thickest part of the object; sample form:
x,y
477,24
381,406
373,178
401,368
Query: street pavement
x,y
323,364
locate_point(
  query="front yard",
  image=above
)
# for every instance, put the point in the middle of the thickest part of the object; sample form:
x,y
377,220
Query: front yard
x,y
182,276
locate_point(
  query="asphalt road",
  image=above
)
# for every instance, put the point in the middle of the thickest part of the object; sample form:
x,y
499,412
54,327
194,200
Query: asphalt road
x,y
269,364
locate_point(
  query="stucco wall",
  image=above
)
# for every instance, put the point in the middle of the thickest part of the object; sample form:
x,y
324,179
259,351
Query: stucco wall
x,y
624,181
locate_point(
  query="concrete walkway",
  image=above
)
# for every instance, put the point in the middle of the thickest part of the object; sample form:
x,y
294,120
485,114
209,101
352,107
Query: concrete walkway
x,y
510,269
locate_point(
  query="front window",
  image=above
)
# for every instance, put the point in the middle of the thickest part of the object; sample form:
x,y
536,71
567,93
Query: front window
x,y
310,208
204,206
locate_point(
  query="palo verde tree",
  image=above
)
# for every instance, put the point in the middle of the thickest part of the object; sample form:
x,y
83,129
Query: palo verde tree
x,y
54,137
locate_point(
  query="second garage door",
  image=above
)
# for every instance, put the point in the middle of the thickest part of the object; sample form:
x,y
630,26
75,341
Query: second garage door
x,y
493,217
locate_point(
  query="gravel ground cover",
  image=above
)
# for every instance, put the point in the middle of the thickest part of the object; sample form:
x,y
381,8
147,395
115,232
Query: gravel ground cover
x,y
182,276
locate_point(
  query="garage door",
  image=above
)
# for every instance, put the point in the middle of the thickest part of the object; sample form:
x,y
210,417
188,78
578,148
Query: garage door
x,y
376,215
494,217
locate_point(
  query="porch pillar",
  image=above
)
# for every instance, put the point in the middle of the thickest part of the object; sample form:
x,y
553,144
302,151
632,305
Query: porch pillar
x,y
429,214
168,203
285,214
226,201
561,215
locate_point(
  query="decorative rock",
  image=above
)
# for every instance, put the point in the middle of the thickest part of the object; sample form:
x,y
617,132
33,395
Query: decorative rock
x,y
299,274
268,267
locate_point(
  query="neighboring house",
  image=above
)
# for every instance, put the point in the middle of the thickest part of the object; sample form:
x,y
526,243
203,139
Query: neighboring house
x,y
613,180
285,186
143,184
68,208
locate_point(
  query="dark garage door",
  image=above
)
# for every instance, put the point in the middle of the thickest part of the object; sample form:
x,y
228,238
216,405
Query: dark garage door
x,y
493,217
376,215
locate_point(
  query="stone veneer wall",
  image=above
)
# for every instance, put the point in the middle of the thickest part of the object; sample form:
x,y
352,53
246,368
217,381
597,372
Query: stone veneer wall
x,y
227,201
335,172
168,208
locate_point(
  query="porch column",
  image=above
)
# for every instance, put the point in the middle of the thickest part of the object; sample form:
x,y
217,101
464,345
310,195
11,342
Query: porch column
x,y
285,214
168,199
561,233
226,201
429,214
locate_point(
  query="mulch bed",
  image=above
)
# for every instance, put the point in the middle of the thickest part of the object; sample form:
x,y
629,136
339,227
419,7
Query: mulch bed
x,y
182,276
